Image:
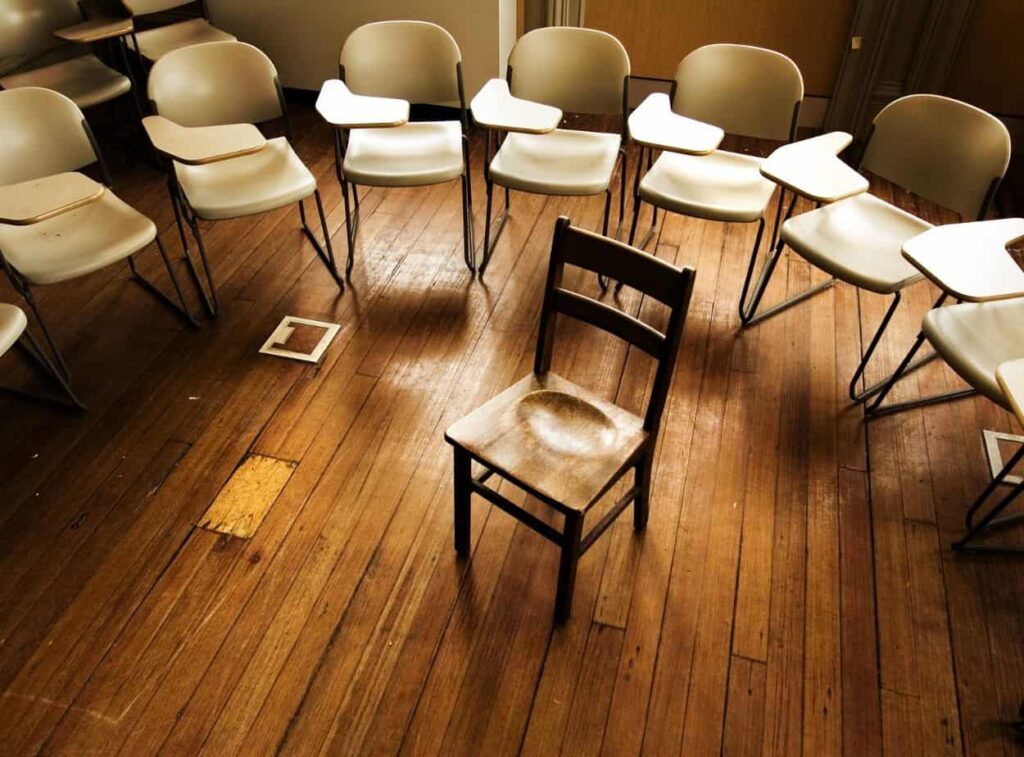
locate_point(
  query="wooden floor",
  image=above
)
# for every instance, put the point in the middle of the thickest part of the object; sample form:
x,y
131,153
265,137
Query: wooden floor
x,y
794,591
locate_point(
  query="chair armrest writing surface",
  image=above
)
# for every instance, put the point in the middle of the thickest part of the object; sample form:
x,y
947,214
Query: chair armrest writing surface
x,y
970,260
38,200
200,145
341,108
96,29
494,107
654,124
812,168
1010,376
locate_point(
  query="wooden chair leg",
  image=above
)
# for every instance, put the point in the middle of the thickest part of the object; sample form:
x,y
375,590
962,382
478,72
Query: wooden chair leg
x,y
572,538
642,503
463,494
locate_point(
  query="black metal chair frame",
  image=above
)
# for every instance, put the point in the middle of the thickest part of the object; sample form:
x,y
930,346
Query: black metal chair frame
x,y
653,278
992,520
749,316
33,350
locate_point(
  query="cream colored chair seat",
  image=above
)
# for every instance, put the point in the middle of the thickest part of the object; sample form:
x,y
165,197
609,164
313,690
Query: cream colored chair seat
x,y
12,325
77,242
156,43
561,162
720,186
976,338
411,155
86,80
858,240
271,178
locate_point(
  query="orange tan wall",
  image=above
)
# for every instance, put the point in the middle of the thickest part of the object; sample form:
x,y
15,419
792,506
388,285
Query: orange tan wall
x,y
989,67
658,33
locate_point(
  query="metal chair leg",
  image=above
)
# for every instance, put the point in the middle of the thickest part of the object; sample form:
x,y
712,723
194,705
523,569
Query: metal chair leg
x,y
638,202
601,280
351,219
468,241
326,255
777,225
622,191
183,216
491,240
209,299
866,358
26,293
179,308
468,236
991,519
32,348
748,310
907,365
351,227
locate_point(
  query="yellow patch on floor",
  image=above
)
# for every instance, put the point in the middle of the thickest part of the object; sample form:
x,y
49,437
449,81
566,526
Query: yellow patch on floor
x,y
247,496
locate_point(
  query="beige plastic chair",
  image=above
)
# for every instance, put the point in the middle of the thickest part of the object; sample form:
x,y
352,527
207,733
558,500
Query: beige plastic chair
x,y
743,90
209,99
382,69
984,343
942,149
153,44
568,69
39,59
57,224
970,262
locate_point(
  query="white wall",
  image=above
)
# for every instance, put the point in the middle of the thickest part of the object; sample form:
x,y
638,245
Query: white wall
x,y
304,37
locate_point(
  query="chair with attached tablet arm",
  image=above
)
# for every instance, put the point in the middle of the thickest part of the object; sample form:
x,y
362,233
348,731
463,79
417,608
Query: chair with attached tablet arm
x,y
717,89
552,70
941,149
383,68
57,224
209,99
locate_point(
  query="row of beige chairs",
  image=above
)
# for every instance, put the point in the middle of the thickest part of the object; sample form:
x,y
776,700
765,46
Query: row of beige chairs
x,y
220,166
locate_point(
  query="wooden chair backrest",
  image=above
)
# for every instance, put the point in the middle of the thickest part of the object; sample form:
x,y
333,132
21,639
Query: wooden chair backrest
x,y
636,269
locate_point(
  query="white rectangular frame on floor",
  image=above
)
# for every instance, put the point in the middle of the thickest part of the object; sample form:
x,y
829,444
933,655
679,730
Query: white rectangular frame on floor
x,y
284,331
995,455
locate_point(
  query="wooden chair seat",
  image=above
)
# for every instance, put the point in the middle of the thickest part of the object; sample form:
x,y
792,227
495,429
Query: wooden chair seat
x,y
553,438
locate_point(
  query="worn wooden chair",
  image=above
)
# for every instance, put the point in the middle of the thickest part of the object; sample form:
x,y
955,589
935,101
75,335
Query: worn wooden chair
x,y
555,440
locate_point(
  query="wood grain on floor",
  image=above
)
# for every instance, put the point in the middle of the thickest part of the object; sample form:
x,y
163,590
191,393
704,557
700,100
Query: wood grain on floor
x,y
793,593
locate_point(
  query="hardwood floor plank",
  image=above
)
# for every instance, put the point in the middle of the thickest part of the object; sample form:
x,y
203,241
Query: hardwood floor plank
x,y
861,714
784,682
744,717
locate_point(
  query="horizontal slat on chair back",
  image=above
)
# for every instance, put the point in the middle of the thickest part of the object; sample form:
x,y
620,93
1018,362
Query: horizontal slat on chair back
x,y
611,320
620,262
637,269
